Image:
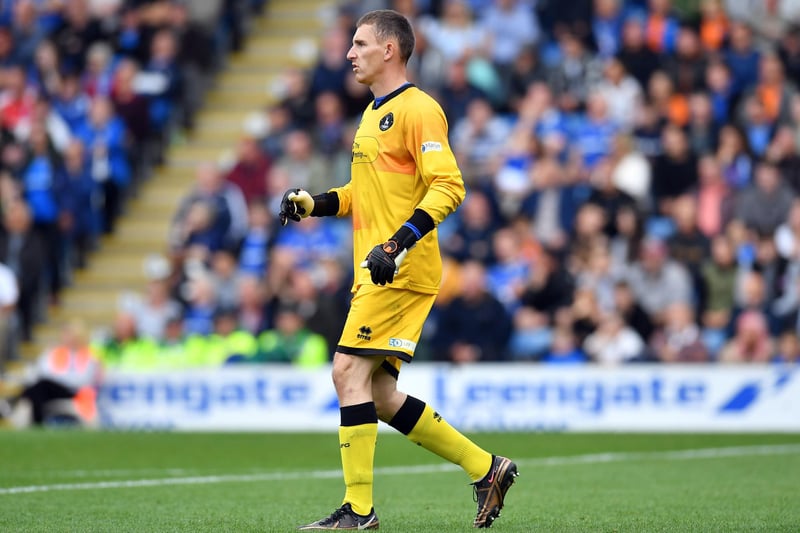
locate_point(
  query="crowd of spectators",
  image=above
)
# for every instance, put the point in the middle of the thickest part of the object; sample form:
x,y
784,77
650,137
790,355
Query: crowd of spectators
x,y
90,93
632,173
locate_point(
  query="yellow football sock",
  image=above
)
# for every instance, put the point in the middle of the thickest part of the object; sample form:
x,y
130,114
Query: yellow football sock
x,y
357,447
433,433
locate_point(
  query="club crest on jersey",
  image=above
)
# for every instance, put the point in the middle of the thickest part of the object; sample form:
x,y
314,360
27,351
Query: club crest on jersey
x,y
386,122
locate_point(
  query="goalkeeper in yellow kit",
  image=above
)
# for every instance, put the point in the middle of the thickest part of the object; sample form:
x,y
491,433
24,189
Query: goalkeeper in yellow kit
x,y
404,181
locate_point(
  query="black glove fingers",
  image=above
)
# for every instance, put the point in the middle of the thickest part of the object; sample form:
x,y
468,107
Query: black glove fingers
x,y
289,209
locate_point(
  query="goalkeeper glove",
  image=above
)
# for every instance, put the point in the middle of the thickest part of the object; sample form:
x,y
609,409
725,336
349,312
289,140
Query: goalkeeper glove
x,y
383,261
296,204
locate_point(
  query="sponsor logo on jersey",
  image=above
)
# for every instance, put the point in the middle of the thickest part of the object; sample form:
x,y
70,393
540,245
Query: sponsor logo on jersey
x,y
431,146
403,343
365,150
386,122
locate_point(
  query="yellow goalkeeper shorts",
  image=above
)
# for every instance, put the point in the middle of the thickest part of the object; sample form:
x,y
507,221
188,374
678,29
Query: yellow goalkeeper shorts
x,y
385,322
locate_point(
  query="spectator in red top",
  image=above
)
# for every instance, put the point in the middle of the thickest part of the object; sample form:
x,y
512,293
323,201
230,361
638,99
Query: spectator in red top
x,y
250,171
17,100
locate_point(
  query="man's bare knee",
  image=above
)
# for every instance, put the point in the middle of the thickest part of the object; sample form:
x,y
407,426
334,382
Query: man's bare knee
x,y
351,378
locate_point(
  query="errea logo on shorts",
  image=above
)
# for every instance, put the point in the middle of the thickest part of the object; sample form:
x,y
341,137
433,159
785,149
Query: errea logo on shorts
x,y
405,344
431,146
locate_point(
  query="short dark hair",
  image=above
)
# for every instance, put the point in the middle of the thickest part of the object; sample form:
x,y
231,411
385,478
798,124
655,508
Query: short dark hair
x,y
389,23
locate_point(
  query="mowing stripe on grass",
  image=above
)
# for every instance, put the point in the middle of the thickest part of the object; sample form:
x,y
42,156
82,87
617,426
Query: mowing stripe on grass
x,y
594,458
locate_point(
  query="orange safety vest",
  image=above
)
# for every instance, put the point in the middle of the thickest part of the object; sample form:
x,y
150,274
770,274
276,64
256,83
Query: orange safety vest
x,y
59,359
85,399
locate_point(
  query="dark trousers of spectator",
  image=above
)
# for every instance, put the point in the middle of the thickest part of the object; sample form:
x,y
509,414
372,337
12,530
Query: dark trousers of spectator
x,y
42,392
26,312
54,255
112,205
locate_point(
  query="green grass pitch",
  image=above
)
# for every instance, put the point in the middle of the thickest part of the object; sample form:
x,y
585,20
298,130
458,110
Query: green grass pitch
x,y
140,482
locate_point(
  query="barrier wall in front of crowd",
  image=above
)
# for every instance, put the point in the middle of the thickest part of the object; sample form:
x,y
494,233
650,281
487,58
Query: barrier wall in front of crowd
x,y
507,397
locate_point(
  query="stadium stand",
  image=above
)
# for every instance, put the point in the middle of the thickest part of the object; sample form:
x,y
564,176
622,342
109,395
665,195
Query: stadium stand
x,y
129,80
631,166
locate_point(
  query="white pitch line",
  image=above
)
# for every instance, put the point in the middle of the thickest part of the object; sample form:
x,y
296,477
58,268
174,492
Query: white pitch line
x,y
594,458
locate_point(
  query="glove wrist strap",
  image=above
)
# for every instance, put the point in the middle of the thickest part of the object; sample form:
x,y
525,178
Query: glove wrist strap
x,y
325,205
416,227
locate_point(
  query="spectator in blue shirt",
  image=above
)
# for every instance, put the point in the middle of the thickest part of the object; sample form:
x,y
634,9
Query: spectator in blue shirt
x,y
594,134
105,137
742,57
71,102
80,215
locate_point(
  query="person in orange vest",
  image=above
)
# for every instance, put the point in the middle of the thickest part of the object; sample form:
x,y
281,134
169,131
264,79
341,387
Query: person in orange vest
x,y
69,370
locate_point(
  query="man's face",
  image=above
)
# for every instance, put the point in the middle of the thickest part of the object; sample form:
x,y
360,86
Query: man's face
x,y
366,54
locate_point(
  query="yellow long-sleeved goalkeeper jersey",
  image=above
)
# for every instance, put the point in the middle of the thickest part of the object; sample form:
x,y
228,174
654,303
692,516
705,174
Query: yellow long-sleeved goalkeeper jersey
x,y
401,161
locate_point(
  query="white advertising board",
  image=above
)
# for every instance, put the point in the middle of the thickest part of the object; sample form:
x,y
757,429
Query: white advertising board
x,y
498,397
